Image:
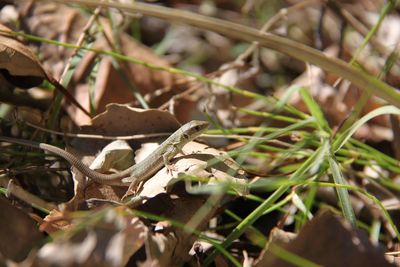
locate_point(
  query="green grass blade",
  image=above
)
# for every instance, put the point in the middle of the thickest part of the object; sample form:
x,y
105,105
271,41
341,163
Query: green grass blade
x,y
291,257
314,160
386,214
345,136
343,194
309,202
390,5
315,111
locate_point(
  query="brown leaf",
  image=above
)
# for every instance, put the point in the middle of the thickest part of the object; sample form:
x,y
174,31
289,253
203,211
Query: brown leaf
x,y
110,242
121,119
18,64
328,240
19,233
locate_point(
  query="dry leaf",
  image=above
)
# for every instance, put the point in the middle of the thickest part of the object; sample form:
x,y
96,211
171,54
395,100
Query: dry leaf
x,y
181,202
110,86
18,64
116,155
124,120
196,164
20,67
55,221
222,101
19,234
329,240
110,242
52,21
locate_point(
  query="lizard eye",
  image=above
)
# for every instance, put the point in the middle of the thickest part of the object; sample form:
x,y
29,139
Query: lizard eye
x,y
185,136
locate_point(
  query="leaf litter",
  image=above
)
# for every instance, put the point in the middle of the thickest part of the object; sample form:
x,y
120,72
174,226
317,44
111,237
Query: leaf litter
x,y
179,208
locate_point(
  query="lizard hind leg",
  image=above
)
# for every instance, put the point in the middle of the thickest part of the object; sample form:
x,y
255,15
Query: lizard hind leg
x,y
133,188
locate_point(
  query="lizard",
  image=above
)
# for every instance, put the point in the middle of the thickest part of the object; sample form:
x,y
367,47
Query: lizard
x,y
138,172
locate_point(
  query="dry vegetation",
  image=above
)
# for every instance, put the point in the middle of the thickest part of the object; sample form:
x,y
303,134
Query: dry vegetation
x,y
299,167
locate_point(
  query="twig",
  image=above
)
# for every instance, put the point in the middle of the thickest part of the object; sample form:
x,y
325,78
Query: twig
x,y
97,136
24,195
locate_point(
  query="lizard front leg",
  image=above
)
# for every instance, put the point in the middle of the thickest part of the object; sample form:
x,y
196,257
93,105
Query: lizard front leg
x,y
168,156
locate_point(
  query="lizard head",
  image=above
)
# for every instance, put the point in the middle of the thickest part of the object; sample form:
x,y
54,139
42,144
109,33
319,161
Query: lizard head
x,y
193,129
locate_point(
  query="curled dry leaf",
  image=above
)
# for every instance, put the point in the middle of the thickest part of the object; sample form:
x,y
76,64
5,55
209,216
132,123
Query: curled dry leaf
x,y
18,64
116,155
